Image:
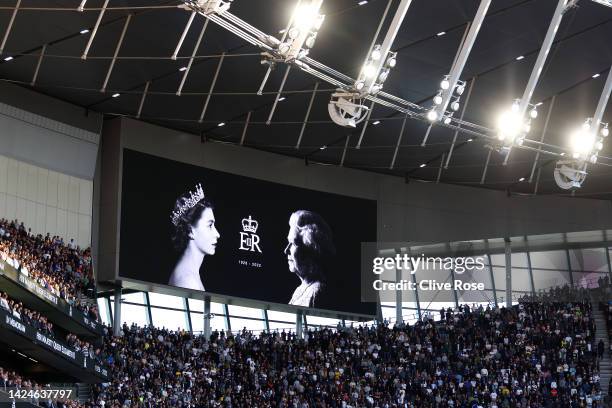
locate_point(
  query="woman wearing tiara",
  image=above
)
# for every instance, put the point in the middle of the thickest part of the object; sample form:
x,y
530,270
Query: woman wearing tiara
x,y
194,236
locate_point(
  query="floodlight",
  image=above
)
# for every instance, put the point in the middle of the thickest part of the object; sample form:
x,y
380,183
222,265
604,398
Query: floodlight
x,y
445,84
310,41
437,99
383,75
533,113
305,17
460,89
455,106
582,141
508,125
369,70
376,53
432,115
293,33
447,120
605,132
284,48
392,60
359,85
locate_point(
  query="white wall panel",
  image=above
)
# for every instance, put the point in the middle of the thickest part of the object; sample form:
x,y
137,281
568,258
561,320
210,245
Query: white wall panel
x,y
13,176
46,201
3,173
62,191
52,188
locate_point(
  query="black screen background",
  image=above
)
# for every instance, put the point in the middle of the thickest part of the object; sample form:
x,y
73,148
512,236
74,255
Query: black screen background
x,y
152,184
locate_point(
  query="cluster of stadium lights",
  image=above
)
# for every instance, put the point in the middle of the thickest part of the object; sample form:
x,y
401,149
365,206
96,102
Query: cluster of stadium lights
x,y
302,34
587,141
511,128
369,72
454,105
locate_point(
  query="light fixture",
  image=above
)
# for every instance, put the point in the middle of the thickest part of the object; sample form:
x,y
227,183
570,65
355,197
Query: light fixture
x,y
116,95
447,120
182,69
445,84
470,140
305,17
284,48
520,57
221,124
582,142
9,58
423,165
432,115
323,147
441,33
359,85
392,60
437,99
84,31
293,33
522,179
533,113
362,2
455,106
376,122
310,41
369,70
376,53
460,89
605,132
595,76
383,75
508,125
282,98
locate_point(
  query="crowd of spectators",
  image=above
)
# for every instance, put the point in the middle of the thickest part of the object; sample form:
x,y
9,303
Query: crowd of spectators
x,y
530,355
62,268
43,325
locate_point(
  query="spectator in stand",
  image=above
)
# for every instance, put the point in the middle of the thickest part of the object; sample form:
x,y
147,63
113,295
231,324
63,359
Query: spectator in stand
x,y
64,270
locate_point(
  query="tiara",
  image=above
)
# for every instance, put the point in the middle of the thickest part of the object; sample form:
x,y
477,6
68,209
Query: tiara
x,y
188,203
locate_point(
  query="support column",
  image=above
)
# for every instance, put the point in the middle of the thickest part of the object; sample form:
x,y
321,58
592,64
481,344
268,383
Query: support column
x,y
569,267
508,251
207,330
492,280
117,314
533,291
398,295
299,329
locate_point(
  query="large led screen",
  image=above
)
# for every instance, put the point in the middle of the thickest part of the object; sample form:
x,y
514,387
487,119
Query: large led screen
x,y
192,227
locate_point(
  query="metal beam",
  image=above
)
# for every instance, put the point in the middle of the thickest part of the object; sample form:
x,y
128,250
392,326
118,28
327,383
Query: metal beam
x,y
185,31
603,102
212,87
142,99
604,2
398,143
119,43
117,313
465,104
427,132
492,279
531,280
539,64
246,126
38,64
462,57
398,18
440,169
508,256
278,95
484,171
10,26
544,130
312,98
207,317
82,6
193,54
365,125
398,294
95,30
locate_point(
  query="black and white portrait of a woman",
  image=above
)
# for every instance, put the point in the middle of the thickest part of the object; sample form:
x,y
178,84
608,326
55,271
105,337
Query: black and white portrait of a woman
x,y
310,251
194,236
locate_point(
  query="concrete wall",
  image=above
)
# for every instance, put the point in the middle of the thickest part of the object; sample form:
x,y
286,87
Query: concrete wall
x,y
406,212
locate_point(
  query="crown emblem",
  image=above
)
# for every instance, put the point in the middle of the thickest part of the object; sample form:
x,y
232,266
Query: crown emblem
x,y
188,203
249,225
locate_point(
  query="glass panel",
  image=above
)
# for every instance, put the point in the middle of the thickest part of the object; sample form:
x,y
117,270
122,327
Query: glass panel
x,y
556,260
103,311
134,314
245,312
218,323
197,323
498,259
322,321
589,260
196,305
281,316
388,314
588,279
256,326
137,297
544,279
477,297
170,319
159,299
282,326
